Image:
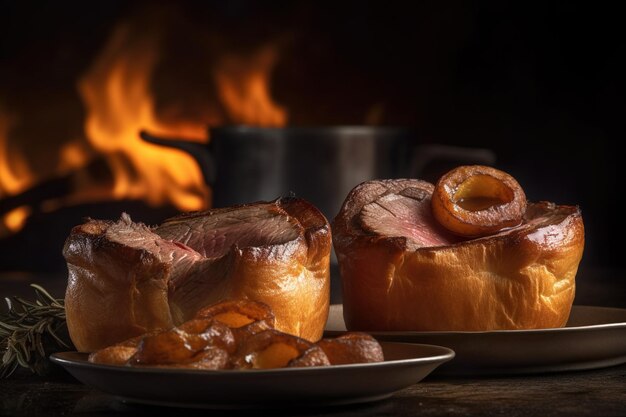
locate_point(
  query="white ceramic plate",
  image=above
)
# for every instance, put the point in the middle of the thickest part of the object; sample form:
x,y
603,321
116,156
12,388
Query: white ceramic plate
x,y
404,365
594,337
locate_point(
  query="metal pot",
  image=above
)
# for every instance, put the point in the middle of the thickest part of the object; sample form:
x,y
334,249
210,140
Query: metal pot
x,y
320,164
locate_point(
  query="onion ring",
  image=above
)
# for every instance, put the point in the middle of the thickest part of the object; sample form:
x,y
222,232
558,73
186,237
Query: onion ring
x,y
477,200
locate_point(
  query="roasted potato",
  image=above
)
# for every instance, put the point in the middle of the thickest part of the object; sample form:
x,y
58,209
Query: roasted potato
x,y
353,347
273,349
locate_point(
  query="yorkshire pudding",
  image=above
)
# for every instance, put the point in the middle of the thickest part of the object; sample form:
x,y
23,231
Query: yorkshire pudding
x,y
127,279
401,270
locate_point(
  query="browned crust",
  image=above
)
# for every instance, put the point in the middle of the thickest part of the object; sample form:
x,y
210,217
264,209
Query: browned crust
x,y
107,300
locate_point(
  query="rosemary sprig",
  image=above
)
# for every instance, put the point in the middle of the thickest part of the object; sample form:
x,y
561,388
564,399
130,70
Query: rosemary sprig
x,y
30,331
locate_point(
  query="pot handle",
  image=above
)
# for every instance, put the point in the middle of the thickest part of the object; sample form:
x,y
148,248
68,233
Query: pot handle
x,y
199,151
423,155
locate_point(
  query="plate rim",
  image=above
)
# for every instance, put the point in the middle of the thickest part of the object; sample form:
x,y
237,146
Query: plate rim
x,y
418,364
491,332
446,354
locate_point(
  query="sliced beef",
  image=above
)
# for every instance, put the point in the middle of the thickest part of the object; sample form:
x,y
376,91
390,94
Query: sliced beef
x,y
408,215
213,233
402,209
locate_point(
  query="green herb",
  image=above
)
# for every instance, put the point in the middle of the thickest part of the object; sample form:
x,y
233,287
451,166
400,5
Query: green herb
x,y
30,331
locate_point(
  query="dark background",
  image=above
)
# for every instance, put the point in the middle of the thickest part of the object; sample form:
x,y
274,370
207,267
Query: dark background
x,y
540,84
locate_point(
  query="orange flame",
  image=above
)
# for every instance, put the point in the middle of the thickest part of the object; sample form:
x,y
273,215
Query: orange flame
x,y
14,178
15,175
244,88
119,104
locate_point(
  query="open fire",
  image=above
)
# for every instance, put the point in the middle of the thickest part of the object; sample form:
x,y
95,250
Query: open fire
x,y
119,100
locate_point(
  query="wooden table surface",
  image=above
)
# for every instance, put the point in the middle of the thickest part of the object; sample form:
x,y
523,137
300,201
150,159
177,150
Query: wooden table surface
x,y
598,392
